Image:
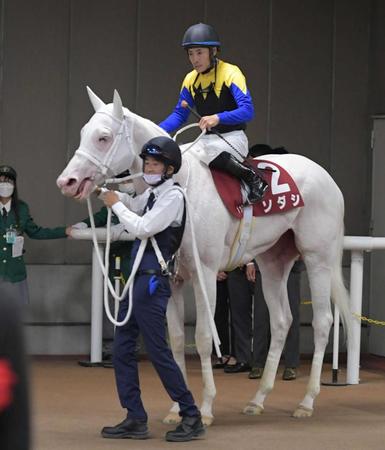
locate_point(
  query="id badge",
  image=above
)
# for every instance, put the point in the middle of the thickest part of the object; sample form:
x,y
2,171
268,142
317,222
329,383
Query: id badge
x,y
10,236
17,247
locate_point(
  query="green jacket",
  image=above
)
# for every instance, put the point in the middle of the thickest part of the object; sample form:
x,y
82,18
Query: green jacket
x,y
13,269
118,248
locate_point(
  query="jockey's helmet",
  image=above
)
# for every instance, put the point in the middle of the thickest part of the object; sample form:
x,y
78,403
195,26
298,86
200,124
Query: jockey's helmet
x,y
200,35
8,171
164,149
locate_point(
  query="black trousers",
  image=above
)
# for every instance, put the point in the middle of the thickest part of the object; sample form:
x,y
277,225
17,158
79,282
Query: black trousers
x,y
241,297
223,320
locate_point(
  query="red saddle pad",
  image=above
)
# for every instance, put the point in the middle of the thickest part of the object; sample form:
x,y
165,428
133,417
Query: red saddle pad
x,y
282,195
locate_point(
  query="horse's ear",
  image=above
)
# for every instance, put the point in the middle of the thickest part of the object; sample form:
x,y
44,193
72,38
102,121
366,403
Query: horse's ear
x,y
95,100
118,106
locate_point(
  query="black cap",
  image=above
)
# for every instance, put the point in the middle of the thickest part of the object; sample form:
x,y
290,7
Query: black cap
x,y
200,35
165,149
8,171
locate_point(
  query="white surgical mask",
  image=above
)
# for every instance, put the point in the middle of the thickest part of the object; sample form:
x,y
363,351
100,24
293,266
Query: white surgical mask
x,y
152,178
6,189
127,188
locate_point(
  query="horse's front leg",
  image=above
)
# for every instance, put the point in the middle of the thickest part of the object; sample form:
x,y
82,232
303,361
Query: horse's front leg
x,y
175,322
203,340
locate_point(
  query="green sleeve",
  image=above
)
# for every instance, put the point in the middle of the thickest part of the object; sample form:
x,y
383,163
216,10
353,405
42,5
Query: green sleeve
x,y
100,218
36,232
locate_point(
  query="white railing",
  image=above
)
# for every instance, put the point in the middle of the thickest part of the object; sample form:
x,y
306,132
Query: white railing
x,y
356,244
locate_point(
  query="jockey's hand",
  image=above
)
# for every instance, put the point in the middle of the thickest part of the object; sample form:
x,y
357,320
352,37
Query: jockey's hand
x,y
208,122
109,198
250,272
221,276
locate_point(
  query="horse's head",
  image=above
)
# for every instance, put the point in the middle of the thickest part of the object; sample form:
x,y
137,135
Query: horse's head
x,y
108,145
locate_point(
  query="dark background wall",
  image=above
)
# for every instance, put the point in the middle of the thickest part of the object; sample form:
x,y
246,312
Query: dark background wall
x,y
315,68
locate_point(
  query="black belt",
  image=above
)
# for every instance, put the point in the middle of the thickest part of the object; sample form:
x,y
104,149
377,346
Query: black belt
x,y
149,272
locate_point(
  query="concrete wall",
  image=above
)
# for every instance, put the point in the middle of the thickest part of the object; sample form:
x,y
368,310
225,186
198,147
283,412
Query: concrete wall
x,y
307,65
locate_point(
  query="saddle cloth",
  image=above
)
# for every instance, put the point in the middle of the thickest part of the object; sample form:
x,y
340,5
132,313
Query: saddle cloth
x,y
282,195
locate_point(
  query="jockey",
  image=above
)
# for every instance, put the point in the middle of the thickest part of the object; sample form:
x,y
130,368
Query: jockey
x,y
218,91
158,212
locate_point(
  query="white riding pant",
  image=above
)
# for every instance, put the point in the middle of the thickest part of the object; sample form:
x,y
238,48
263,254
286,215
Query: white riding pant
x,y
211,145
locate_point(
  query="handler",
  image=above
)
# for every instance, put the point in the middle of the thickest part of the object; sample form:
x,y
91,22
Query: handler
x,y
219,92
160,214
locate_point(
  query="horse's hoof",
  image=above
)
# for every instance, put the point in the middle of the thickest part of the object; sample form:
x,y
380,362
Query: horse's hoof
x,y
302,411
251,409
172,418
207,420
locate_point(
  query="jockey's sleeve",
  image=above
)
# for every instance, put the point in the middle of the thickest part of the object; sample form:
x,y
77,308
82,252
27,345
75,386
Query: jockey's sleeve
x,y
244,112
180,114
167,210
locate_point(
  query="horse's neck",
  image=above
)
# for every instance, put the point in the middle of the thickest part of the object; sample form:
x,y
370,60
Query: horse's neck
x,y
143,130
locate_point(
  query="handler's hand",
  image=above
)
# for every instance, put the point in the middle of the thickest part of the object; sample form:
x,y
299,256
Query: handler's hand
x,y
208,122
109,198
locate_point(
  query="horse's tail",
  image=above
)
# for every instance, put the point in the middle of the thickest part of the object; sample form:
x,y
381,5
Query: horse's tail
x,y
339,293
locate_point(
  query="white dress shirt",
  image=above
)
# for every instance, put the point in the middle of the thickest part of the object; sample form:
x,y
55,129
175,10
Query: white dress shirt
x,y
167,211
7,207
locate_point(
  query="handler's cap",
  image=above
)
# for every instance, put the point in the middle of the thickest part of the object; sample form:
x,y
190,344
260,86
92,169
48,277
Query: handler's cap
x,y
8,171
164,149
200,35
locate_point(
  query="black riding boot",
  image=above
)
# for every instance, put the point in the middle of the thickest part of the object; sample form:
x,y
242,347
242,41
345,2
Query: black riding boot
x,y
225,161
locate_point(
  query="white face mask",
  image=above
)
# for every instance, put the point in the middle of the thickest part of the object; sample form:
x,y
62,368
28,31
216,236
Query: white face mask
x,y
152,179
127,188
6,189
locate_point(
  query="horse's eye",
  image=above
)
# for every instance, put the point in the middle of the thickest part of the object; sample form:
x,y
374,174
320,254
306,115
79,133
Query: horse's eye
x,y
103,139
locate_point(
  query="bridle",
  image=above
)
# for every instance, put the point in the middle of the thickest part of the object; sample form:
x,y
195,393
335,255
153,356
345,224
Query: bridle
x,y
104,164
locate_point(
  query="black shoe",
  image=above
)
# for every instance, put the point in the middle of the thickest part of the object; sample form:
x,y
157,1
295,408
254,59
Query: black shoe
x,y
236,368
190,428
128,429
290,373
258,187
221,363
227,162
256,373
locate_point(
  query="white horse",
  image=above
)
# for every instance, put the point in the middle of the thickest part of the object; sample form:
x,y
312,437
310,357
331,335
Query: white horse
x,y
111,142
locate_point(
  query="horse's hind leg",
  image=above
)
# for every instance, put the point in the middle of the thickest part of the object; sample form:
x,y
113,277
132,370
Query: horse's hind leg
x,y
275,268
175,322
319,275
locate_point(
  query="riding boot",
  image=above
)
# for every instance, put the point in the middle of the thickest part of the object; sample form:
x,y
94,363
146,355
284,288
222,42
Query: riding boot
x,y
225,161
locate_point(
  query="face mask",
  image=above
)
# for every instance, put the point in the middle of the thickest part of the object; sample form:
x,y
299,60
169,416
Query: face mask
x,y
6,189
127,188
152,179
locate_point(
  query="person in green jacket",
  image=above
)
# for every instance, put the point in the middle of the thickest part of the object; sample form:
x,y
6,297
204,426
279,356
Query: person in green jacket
x,y
15,221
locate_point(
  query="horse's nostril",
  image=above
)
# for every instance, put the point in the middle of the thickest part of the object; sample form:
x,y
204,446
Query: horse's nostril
x,y
71,181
